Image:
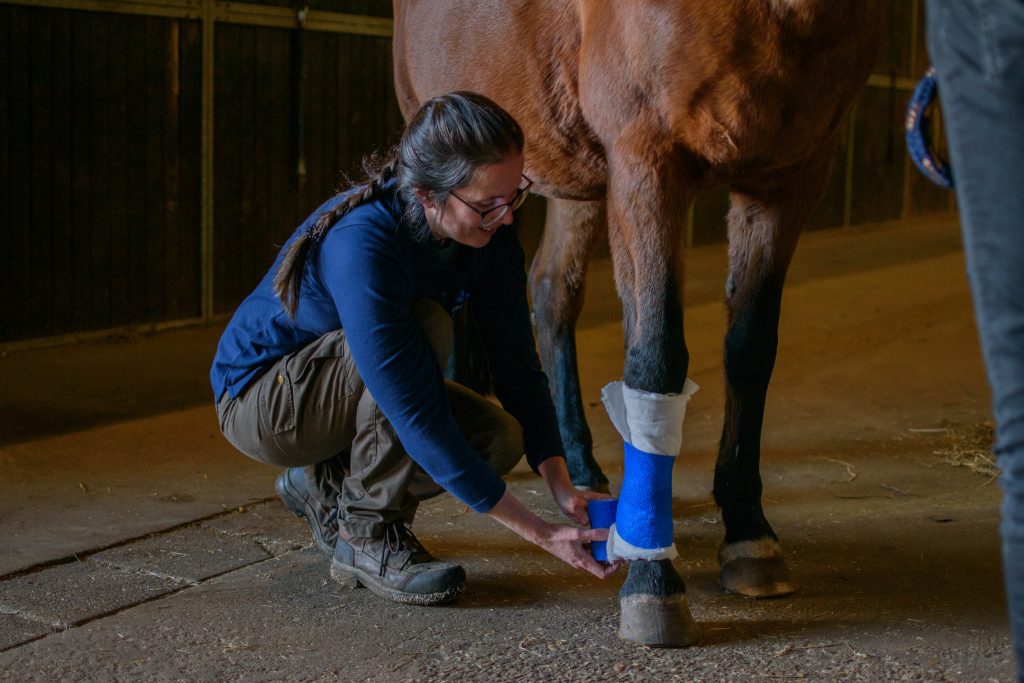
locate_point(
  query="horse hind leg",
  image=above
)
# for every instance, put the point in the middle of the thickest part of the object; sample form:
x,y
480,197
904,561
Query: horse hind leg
x,y
750,557
556,285
762,238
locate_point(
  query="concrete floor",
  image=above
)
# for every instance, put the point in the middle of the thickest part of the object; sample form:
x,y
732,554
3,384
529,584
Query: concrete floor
x,y
136,545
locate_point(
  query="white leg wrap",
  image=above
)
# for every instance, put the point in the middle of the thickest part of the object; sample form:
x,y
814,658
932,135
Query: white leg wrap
x,y
652,427
653,423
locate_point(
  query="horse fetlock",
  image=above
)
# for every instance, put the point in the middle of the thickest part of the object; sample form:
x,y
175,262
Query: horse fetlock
x,y
652,577
657,620
755,568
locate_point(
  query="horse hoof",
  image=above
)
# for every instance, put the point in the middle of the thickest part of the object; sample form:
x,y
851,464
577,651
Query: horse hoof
x,y
657,621
755,569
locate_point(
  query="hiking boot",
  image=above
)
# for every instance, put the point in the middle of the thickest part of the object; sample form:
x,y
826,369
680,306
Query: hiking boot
x,y
397,567
323,521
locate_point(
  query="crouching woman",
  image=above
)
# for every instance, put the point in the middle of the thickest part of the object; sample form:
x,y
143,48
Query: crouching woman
x,y
332,367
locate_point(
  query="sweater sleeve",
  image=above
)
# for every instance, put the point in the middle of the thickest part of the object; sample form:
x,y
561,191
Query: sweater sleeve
x,y
502,314
373,289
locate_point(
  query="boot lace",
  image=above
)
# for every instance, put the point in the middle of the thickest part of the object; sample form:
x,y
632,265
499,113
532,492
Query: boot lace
x,y
398,537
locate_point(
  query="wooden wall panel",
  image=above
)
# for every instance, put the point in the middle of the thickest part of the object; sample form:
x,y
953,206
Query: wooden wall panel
x,y
38,275
259,160
20,315
896,56
369,8
249,231
99,281
138,82
82,194
147,264
61,220
831,209
123,245
348,111
921,58
99,200
184,274
7,234
227,134
101,227
879,156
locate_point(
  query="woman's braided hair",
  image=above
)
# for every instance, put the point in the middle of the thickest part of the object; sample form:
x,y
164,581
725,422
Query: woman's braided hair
x,y
447,140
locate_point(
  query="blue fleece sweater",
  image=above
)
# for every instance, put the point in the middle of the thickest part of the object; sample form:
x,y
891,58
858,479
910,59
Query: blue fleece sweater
x,y
362,278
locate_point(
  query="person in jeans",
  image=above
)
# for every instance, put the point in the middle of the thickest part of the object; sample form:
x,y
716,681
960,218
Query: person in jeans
x,y
332,367
977,48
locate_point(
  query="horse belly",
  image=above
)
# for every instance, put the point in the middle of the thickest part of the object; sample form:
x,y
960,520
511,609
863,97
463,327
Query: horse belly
x,y
446,45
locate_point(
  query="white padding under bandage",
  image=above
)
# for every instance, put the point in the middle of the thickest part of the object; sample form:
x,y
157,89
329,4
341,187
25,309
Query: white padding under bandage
x,y
618,548
651,422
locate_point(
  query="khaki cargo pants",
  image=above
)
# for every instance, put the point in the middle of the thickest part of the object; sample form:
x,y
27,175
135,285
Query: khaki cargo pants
x,y
312,410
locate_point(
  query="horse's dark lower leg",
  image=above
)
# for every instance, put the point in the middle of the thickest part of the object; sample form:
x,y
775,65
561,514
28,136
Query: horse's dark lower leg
x,y
556,286
762,237
751,559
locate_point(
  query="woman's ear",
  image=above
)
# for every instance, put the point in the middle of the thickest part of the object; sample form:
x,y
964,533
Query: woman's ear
x,y
426,199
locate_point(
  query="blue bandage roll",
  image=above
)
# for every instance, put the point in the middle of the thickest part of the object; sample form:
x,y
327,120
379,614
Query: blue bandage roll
x,y
602,516
644,516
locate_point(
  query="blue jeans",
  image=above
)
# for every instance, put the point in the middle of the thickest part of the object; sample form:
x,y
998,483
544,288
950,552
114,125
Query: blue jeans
x,y
977,48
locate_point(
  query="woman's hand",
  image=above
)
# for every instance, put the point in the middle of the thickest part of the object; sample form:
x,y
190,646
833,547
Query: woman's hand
x,y
566,543
563,541
570,500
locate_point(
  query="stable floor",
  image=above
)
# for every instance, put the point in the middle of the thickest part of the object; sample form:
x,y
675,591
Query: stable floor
x,y
135,544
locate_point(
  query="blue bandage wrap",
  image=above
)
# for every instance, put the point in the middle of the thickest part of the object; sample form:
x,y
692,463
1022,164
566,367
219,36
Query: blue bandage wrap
x,y
644,516
602,515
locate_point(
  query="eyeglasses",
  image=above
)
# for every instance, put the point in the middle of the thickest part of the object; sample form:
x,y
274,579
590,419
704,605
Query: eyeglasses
x,y
494,214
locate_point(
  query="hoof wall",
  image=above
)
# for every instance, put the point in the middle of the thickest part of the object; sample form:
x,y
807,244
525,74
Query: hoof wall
x,y
658,621
757,577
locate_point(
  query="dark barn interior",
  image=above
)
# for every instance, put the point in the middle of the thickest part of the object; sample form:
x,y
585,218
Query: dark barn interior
x,y
156,153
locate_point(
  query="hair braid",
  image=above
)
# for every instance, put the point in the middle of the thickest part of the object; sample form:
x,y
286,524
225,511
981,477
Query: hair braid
x,y
288,279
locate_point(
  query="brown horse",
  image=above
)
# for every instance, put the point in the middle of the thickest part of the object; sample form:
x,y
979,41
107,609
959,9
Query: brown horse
x,y
630,108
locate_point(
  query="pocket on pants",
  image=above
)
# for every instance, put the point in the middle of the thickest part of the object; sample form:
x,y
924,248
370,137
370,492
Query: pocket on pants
x,y
324,369
278,402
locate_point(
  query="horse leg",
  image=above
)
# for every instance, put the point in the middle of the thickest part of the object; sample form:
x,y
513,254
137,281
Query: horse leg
x,y
646,214
556,287
763,231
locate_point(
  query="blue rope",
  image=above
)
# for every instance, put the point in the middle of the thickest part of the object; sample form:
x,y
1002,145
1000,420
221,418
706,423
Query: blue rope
x,y
918,132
